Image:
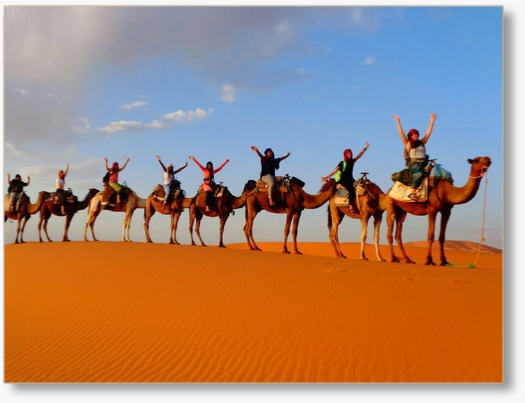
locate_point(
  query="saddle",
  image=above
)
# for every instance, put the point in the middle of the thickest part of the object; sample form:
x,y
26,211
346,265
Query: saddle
x,y
218,192
109,196
56,198
21,199
279,185
159,193
401,191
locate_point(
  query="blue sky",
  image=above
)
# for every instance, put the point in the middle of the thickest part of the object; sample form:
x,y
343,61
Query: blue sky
x,y
81,84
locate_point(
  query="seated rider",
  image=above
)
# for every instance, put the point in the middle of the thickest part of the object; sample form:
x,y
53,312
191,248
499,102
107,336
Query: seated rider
x,y
268,166
208,183
415,153
113,176
169,177
344,174
61,183
16,187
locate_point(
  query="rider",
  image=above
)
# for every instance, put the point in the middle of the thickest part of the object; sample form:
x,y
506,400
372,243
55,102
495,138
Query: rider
x,y
415,152
169,177
268,166
113,178
16,187
208,183
344,173
61,183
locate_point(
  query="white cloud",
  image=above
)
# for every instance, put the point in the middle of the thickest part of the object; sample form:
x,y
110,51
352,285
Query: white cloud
x,y
121,126
369,60
185,117
168,119
229,94
133,105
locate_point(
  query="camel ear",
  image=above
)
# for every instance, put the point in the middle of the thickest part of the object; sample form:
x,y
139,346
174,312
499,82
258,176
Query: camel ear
x,y
470,161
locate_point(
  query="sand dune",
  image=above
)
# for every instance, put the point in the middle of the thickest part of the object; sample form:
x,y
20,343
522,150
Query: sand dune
x,y
137,312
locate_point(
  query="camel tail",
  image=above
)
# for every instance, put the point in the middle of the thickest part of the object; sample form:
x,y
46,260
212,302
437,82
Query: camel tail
x,y
329,224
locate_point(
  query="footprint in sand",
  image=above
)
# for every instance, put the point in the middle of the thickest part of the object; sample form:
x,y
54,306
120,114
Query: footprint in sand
x,y
456,282
410,279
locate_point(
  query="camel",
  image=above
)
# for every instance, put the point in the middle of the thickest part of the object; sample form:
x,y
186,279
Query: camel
x,y
441,198
290,201
49,207
371,202
154,203
105,200
24,212
223,206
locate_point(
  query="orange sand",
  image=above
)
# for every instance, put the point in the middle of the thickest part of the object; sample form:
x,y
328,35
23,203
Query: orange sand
x,y
137,312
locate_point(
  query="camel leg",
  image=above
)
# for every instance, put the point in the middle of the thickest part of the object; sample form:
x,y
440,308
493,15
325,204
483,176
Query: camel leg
x,y
147,218
287,231
391,220
364,228
24,222
18,229
337,218
40,227
445,215
126,225
399,240
248,230
192,219
69,217
198,229
46,220
173,225
377,226
432,216
223,218
92,225
295,232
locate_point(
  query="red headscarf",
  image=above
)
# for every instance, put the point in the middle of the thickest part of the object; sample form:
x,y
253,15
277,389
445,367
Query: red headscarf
x,y
345,157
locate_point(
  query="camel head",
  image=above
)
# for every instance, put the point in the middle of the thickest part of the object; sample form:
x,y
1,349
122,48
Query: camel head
x,y
480,165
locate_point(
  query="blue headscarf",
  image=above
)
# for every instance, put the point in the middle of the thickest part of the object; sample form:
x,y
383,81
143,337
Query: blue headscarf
x,y
273,159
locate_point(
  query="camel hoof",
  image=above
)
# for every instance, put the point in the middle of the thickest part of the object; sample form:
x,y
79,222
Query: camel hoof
x,y
297,252
286,252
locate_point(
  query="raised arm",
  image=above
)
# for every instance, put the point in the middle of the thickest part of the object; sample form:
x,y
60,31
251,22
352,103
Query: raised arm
x,y
220,167
257,151
400,129
197,162
67,170
433,117
284,156
8,179
180,169
107,167
161,164
362,152
124,166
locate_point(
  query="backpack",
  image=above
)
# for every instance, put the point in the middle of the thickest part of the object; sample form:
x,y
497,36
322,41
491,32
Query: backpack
x,y
438,173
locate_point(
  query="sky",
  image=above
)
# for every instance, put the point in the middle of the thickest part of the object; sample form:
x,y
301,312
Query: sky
x,y
81,84
85,83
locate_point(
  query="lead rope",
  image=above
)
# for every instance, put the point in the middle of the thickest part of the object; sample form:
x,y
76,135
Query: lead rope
x,y
482,236
481,239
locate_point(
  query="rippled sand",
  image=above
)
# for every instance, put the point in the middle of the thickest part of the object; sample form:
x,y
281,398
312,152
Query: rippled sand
x,y
136,312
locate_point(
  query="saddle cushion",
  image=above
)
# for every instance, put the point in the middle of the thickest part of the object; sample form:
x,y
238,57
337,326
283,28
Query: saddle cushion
x,y
400,192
